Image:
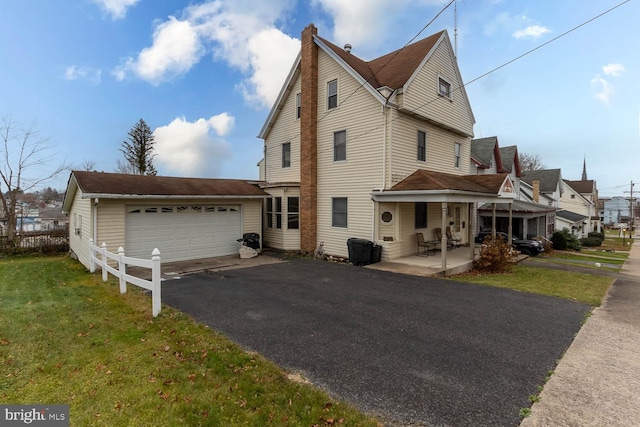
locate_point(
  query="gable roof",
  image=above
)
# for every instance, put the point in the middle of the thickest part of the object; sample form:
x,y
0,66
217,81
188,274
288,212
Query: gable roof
x,y
393,70
570,216
120,186
482,151
550,179
510,159
583,186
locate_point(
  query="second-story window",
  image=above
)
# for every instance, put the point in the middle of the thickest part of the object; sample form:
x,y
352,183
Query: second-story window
x,y
286,155
422,146
298,102
332,94
456,155
444,87
340,146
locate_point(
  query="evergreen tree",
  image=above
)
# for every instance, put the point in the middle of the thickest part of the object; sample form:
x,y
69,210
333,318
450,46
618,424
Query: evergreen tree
x,y
138,149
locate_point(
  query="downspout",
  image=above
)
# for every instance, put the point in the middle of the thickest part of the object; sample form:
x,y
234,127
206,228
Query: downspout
x,y
384,166
95,221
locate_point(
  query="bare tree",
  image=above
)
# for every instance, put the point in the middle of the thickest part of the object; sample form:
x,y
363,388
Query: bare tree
x,y
125,167
23,167
88,165
530,162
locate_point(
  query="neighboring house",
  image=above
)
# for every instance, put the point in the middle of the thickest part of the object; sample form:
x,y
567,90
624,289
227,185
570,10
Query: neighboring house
x,y
51,218
577,211
544,182
377,150
528,219
616,210
589,190
185,218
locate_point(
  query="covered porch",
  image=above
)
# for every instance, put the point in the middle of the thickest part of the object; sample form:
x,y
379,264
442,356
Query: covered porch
x,y
427,204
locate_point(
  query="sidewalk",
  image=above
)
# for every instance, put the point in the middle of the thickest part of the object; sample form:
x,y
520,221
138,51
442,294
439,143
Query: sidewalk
x,y
597,382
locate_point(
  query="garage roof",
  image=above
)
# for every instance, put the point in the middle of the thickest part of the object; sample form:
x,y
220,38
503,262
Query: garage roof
x,y
117,185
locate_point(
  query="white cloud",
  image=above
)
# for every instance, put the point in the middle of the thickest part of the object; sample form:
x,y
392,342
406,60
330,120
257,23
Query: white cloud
x,y
532,31
93,75
613,70
193,148
176,48
604,90
116,8
242,34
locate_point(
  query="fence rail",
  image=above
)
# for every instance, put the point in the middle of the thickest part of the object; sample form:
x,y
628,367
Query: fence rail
x,y
100,257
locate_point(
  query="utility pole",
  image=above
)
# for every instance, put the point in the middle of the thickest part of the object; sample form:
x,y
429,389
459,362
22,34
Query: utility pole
x,y
631,209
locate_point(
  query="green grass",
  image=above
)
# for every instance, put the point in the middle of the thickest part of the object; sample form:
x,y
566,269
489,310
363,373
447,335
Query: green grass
x,y
585,288
601,258
68,338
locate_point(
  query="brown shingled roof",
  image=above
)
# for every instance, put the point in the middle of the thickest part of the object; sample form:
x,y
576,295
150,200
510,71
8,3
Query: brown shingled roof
x,y
384,71
133,185
424,180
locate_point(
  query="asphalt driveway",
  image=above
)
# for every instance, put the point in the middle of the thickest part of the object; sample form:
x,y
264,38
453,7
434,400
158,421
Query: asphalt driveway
x,y
411,350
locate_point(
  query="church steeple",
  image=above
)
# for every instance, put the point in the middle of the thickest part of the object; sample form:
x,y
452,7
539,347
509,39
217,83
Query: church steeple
x,y
584,169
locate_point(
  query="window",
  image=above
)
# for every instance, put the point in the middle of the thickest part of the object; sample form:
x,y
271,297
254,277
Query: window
x,y
286,155
339,212
456,155
421,215
269,212
278,212
332,94
422,146
293,213
340,146
444,87
298,102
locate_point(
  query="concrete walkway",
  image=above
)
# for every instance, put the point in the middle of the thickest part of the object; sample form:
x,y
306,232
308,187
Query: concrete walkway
x,y
597,382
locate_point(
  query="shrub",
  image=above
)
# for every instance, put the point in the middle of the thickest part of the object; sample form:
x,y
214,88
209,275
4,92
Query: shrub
x,y
591,241
563,240
597,235
496,256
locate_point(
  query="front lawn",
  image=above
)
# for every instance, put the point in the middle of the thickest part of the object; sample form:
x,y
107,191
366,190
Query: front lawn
x,y
68,338
585,288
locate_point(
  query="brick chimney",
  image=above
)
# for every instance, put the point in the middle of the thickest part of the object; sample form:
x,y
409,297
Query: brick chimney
x,y
536,190
309,141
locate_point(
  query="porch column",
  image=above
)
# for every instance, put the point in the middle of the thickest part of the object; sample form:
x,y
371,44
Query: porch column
x,y
443,240
493,221
470,230
510,230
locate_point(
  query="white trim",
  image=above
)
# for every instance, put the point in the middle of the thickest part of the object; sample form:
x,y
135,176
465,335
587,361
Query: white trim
x,y
164,196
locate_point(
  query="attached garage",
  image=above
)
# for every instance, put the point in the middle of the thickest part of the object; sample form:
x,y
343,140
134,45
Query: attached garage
x,y
183,232
185,218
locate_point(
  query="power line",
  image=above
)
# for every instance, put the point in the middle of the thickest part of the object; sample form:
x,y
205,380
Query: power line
x,y
502,66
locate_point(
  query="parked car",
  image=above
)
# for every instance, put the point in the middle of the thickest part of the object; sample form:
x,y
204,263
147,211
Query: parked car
x,y
524,246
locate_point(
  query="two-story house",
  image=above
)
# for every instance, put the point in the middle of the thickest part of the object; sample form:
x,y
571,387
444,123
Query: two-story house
x,y
374,149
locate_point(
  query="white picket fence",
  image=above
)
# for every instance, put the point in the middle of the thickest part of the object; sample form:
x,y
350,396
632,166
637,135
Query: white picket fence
x,y
100,258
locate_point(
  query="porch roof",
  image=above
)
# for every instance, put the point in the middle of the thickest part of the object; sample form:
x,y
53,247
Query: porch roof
x,y
430,186
519,206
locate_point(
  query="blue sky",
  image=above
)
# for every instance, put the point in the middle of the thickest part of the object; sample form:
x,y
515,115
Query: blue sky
x,y
204,74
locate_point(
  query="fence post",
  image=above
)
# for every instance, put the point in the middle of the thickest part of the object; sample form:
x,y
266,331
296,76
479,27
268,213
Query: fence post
x,y
92,263
122,270
104,261
155,280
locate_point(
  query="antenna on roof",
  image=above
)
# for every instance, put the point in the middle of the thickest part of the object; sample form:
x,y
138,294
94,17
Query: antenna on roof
x,y
455,30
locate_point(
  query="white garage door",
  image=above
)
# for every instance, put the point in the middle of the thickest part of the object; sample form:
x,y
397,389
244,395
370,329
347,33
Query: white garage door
x,y
183,232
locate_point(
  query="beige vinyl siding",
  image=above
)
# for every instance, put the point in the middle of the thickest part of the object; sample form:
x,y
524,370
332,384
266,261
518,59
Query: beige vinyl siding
x,y
421,95
79,244
111,224
285,129
362,119
440,148
282,238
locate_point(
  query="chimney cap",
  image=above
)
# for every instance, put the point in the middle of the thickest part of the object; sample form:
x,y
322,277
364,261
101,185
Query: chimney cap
x,y
347,48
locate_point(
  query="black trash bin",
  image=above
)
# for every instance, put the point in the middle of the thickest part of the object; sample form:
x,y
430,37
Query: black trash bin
x,y
251,240
376,253
359,251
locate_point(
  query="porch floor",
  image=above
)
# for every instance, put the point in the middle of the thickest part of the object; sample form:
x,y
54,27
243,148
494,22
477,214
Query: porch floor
x,y
419,265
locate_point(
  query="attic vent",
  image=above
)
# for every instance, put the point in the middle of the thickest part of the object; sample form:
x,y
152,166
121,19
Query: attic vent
x,y
347,48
